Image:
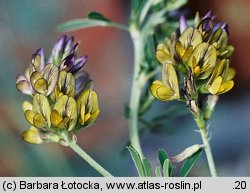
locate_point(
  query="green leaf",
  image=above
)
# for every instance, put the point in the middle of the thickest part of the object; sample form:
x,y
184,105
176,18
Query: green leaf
x,y
173,4
137,161
126,111
135,4
158,171
97,16
76,24
147,167
186,167
171,173
165,169
93,20
162,156
150,50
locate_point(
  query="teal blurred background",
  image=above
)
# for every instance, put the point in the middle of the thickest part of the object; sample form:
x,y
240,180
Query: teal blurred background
x,y
28,25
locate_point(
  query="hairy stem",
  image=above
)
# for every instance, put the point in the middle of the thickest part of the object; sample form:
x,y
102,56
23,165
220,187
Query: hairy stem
x,y
209,154
204,135
89,159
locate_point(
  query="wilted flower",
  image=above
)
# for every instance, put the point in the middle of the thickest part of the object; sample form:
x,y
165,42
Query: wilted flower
x,y
186,153
63,101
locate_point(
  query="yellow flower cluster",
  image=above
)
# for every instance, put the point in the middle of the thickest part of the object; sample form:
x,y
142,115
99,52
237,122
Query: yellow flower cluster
x,y
63,101
200,52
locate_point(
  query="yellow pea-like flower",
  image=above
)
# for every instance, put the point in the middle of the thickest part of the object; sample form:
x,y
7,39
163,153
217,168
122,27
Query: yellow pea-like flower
x,y
168,88
44,82
221,79
64,113
163,55
32,135
65,85
55,85
215,86
190,37
38,115
87,105
204,56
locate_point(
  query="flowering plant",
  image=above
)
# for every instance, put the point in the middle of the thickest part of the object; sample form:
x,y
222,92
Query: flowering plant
x,y
193,60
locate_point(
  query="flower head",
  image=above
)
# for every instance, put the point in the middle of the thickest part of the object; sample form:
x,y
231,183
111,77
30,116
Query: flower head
x,y
197,56
41,76
63,101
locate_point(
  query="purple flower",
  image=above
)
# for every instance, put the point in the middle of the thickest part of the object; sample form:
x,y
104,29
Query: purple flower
x,y
182,24
41,76
64,55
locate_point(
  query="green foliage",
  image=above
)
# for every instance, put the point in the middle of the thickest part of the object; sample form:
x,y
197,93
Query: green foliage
x,y
158,171
137,161
189,163
136,7
97,16
93,19
165,167
147,167
173,4
165,164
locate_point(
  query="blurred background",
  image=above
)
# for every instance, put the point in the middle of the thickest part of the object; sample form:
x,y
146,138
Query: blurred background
x,y
28,25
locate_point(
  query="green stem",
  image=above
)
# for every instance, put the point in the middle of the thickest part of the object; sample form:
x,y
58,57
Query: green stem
x,y
88,159
153,73
209,154
135,90
119,26
146,104
204,135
